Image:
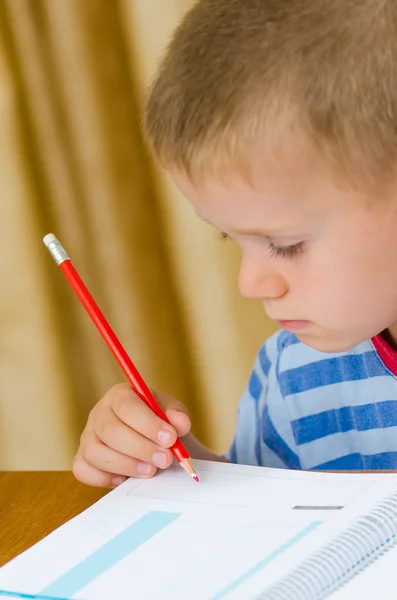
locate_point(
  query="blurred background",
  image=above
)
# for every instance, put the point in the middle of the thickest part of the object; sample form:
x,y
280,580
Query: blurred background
x,y
73,78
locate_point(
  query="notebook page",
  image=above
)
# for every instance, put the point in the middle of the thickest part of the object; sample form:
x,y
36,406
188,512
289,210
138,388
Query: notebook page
x,y
241,528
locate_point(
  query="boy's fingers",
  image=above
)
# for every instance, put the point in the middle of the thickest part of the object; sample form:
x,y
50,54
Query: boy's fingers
x,y
101,457
87,474
116,435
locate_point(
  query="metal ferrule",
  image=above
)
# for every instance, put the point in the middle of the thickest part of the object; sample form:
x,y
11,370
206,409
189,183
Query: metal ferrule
x,y
58,252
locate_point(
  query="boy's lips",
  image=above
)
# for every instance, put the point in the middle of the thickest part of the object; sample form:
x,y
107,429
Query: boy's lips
x,y
292,325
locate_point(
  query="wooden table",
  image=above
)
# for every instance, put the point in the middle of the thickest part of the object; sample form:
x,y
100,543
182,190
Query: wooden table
x,y
32,504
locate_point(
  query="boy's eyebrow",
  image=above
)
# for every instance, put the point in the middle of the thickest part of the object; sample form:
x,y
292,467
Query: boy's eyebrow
x,y
267,233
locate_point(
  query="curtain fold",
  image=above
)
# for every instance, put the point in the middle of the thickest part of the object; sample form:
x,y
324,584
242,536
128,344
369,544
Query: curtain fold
x,y
73,77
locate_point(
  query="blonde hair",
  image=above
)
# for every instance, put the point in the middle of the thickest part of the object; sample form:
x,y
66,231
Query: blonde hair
x,y
242,74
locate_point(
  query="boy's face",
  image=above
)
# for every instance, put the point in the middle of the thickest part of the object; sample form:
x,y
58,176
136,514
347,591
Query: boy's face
x,y
323,260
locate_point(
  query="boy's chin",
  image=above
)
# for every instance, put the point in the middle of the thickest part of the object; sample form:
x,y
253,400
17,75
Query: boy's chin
x,y
328,344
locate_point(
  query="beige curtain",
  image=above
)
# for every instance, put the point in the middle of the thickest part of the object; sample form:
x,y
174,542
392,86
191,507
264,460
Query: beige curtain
x,y
73,75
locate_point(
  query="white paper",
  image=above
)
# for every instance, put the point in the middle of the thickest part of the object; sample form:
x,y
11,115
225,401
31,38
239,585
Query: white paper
x,y
229,536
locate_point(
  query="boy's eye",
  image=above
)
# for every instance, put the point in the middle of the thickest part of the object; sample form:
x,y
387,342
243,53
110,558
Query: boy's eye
x,y
274,251
285,251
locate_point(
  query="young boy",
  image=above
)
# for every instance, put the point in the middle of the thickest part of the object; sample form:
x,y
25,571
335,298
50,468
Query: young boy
x,y
277,119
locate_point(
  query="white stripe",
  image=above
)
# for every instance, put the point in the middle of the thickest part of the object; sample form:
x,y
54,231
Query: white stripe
x,y
246,431
279,414
338,395
340,444
300,355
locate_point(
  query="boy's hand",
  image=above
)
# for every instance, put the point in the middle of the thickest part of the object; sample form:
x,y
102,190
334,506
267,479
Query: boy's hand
x,y
124,438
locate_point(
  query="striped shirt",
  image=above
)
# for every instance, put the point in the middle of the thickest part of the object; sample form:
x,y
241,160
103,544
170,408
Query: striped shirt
x,y
305,409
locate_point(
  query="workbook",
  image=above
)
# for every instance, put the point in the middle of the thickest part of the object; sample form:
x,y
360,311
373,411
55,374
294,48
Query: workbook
x,y
242,533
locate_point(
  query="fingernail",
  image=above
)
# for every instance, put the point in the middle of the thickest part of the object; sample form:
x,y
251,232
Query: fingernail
x,y
117,480
164,437
160,459
144,469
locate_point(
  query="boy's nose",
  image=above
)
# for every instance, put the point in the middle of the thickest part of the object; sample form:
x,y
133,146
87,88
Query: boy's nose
x,y
256,281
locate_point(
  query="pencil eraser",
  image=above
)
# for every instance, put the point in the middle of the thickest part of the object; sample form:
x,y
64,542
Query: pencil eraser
x,y
47,239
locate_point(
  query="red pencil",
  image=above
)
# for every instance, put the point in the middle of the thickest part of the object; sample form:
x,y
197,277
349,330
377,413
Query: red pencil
x,y
63,261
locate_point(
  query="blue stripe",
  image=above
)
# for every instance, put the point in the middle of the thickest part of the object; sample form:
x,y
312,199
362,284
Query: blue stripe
x,y
29,596
110,554
361,418
258,440
359,462
233,452
264,360
255,386
268,559
285,339
275,442
384,415
349,367
258,448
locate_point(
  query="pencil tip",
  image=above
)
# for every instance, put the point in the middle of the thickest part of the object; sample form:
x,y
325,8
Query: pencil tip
x,y
187,465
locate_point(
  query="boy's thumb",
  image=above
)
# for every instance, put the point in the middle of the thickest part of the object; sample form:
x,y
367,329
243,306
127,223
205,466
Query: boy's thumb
x,y
180,420
175,411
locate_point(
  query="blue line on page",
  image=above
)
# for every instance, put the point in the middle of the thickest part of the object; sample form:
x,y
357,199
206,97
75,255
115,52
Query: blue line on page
x,y
268,559
108,555
23,596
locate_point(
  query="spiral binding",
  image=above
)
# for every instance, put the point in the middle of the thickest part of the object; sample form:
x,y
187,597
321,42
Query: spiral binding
x,y
350,552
